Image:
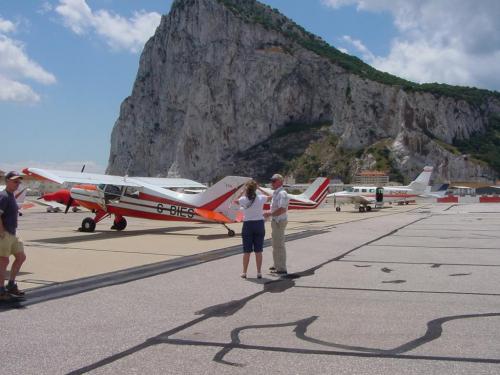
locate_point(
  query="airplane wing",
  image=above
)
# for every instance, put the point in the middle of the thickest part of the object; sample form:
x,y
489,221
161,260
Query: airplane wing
x,y
360,199
62,177
171,183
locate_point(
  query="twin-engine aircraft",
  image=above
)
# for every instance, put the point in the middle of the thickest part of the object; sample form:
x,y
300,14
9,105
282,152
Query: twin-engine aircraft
x,y
365,198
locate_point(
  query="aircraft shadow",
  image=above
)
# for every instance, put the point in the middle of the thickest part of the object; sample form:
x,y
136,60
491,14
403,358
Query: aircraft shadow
x,y
206,237
110,234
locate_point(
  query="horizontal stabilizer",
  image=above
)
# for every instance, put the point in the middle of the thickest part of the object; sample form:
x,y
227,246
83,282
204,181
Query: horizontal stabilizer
x,y
213,216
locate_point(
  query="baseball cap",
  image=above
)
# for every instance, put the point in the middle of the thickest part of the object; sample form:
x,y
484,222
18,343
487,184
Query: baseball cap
x,y
277,176
13,175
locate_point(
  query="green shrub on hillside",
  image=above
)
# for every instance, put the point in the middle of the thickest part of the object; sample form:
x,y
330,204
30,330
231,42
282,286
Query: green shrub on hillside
x,y
271,19
484,146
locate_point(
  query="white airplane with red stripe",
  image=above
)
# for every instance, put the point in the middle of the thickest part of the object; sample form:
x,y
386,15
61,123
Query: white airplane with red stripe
x,y
314,196
148,198
365,198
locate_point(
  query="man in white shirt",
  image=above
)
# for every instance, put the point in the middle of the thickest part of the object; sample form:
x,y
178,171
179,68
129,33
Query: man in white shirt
x,y
279,220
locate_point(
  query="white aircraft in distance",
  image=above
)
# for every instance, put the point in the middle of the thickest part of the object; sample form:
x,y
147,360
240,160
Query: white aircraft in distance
x,y
365,198
313,197
20,195
148,198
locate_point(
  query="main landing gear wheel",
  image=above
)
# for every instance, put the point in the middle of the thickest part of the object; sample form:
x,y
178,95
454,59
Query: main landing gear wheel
x,y
88,225
120,225
337,209
368,208
361,209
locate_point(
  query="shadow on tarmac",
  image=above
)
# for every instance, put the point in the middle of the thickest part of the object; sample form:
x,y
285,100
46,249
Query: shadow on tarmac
x,y
111,234
227,309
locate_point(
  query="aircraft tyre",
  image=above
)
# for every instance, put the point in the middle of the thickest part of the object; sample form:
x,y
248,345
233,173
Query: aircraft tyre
x,y
361,209
120,225
337,209
231,233
88,225
368,208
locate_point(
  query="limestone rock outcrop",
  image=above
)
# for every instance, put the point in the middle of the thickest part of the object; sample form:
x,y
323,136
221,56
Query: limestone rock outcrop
x,y
211,85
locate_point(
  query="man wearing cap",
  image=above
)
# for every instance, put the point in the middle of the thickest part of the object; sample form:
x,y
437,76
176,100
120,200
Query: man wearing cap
x,y
279,220
10,244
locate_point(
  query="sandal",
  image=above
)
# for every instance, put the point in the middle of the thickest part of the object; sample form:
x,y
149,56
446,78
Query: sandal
x,y
243,275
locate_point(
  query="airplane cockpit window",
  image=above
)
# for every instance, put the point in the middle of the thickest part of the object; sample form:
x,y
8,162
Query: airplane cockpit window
x,y
112,193
349,189
131,191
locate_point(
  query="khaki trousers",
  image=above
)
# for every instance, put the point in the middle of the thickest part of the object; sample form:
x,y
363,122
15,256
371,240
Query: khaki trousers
x,y
278,242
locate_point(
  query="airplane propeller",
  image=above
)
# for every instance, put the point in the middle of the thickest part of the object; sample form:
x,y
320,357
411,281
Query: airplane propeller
x,y
68,205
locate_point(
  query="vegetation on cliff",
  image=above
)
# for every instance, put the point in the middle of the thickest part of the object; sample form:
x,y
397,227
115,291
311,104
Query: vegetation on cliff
x,y
484,146
254,12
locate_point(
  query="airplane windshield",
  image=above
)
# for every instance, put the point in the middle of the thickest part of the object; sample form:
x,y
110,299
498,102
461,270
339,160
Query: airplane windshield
x,y
349,189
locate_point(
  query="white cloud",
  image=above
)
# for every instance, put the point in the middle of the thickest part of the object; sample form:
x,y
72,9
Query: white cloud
x,y
13,91
6,26
119,33
365,52
44,8
450,41
16,66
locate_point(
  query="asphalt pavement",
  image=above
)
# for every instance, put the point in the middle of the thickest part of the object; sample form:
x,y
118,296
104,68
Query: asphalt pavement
x,y
408,292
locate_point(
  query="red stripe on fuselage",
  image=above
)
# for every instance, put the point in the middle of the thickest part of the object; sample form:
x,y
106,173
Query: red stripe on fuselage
x,y
147,215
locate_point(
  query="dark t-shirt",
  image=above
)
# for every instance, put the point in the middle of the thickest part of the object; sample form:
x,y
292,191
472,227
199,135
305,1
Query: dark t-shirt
x,y
9,207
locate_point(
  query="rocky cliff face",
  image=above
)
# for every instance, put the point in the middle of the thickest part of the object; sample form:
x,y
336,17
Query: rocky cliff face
x,y
212,86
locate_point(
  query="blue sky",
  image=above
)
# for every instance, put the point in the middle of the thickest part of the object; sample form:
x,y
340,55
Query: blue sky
x,y
66,65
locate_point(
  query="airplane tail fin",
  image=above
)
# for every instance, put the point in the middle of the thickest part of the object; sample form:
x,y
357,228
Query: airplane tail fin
x,y
313,197
220,197
422,181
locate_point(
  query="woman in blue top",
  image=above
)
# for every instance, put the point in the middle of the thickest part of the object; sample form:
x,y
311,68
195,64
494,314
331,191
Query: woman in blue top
x,y
253,231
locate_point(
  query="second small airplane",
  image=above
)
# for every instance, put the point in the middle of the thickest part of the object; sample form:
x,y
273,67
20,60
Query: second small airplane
x,y
365,198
